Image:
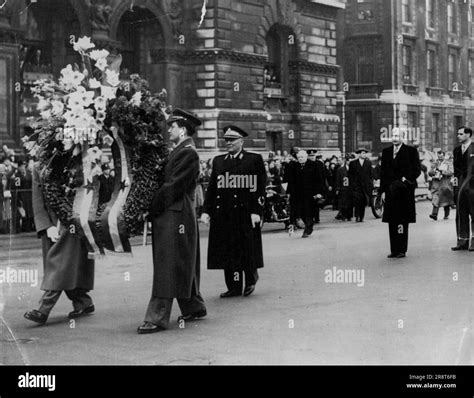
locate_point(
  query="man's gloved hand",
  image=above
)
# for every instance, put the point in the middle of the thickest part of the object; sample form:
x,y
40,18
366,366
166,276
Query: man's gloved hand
x,y
255,220
53,234
205,218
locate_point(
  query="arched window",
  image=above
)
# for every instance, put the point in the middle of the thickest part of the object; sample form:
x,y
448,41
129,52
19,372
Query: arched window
x,y
139,33
47,28
282,48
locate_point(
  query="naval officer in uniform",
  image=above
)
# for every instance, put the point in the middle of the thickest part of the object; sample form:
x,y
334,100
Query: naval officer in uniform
x,y
234,208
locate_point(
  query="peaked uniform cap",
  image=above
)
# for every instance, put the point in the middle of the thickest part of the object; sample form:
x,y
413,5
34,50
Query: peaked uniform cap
x,y
234,132
188,119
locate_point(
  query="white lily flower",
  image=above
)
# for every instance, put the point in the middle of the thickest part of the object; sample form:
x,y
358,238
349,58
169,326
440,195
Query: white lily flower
x,y
83,44
98,54
76,102
70,78
94,83
68,143
42,104
108,140
108,92
70,118
112,77
88,98
100,104
100,116
136,99
101,64
46,114
58,107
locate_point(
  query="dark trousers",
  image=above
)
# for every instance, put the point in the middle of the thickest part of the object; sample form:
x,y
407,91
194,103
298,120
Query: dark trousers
x,y
159,308
447,210
359,211
234,279
465,213
346,212
316,213
79,297
398,237
308,224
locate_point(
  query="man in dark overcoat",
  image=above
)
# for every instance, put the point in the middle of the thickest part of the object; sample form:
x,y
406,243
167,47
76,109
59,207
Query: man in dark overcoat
x,y
234,207
399,170
343,192
65,260
306,188
360,179
463,164
175,233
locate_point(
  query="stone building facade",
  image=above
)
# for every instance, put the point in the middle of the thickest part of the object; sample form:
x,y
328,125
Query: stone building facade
x,y
268,66
406,63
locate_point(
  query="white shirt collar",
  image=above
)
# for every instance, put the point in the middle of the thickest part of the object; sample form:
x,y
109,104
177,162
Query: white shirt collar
x,y
237,155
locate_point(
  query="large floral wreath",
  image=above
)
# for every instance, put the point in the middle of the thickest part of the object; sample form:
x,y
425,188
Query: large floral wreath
x,y
87,110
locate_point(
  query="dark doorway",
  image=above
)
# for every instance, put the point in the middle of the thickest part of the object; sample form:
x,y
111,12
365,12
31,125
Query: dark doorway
x,y
458,122
274,141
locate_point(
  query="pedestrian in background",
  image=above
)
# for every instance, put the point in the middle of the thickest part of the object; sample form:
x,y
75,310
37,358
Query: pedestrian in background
x,y
306,188
343,191
441,187
360,178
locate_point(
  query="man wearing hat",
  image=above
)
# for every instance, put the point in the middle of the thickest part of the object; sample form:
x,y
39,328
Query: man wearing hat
x,y
398,173
234,207
343,191
306,189
464,190
175,234
360,179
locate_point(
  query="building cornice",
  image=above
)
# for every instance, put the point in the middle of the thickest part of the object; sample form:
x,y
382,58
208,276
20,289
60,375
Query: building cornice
x,y
211,55
323,69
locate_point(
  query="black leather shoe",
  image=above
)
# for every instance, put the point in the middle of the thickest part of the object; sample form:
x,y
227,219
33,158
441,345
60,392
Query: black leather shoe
x,y
231,293
192,317
78,313
148,328
433,217
36,316
460,247
249,290
396,255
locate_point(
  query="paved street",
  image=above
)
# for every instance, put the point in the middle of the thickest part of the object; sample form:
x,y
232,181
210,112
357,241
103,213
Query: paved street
x,y
416,310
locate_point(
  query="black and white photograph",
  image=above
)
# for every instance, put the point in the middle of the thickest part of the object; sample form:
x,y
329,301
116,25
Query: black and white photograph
x,y
237,183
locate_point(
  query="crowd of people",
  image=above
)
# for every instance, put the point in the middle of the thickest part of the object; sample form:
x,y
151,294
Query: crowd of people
x,y
16,175
16,213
